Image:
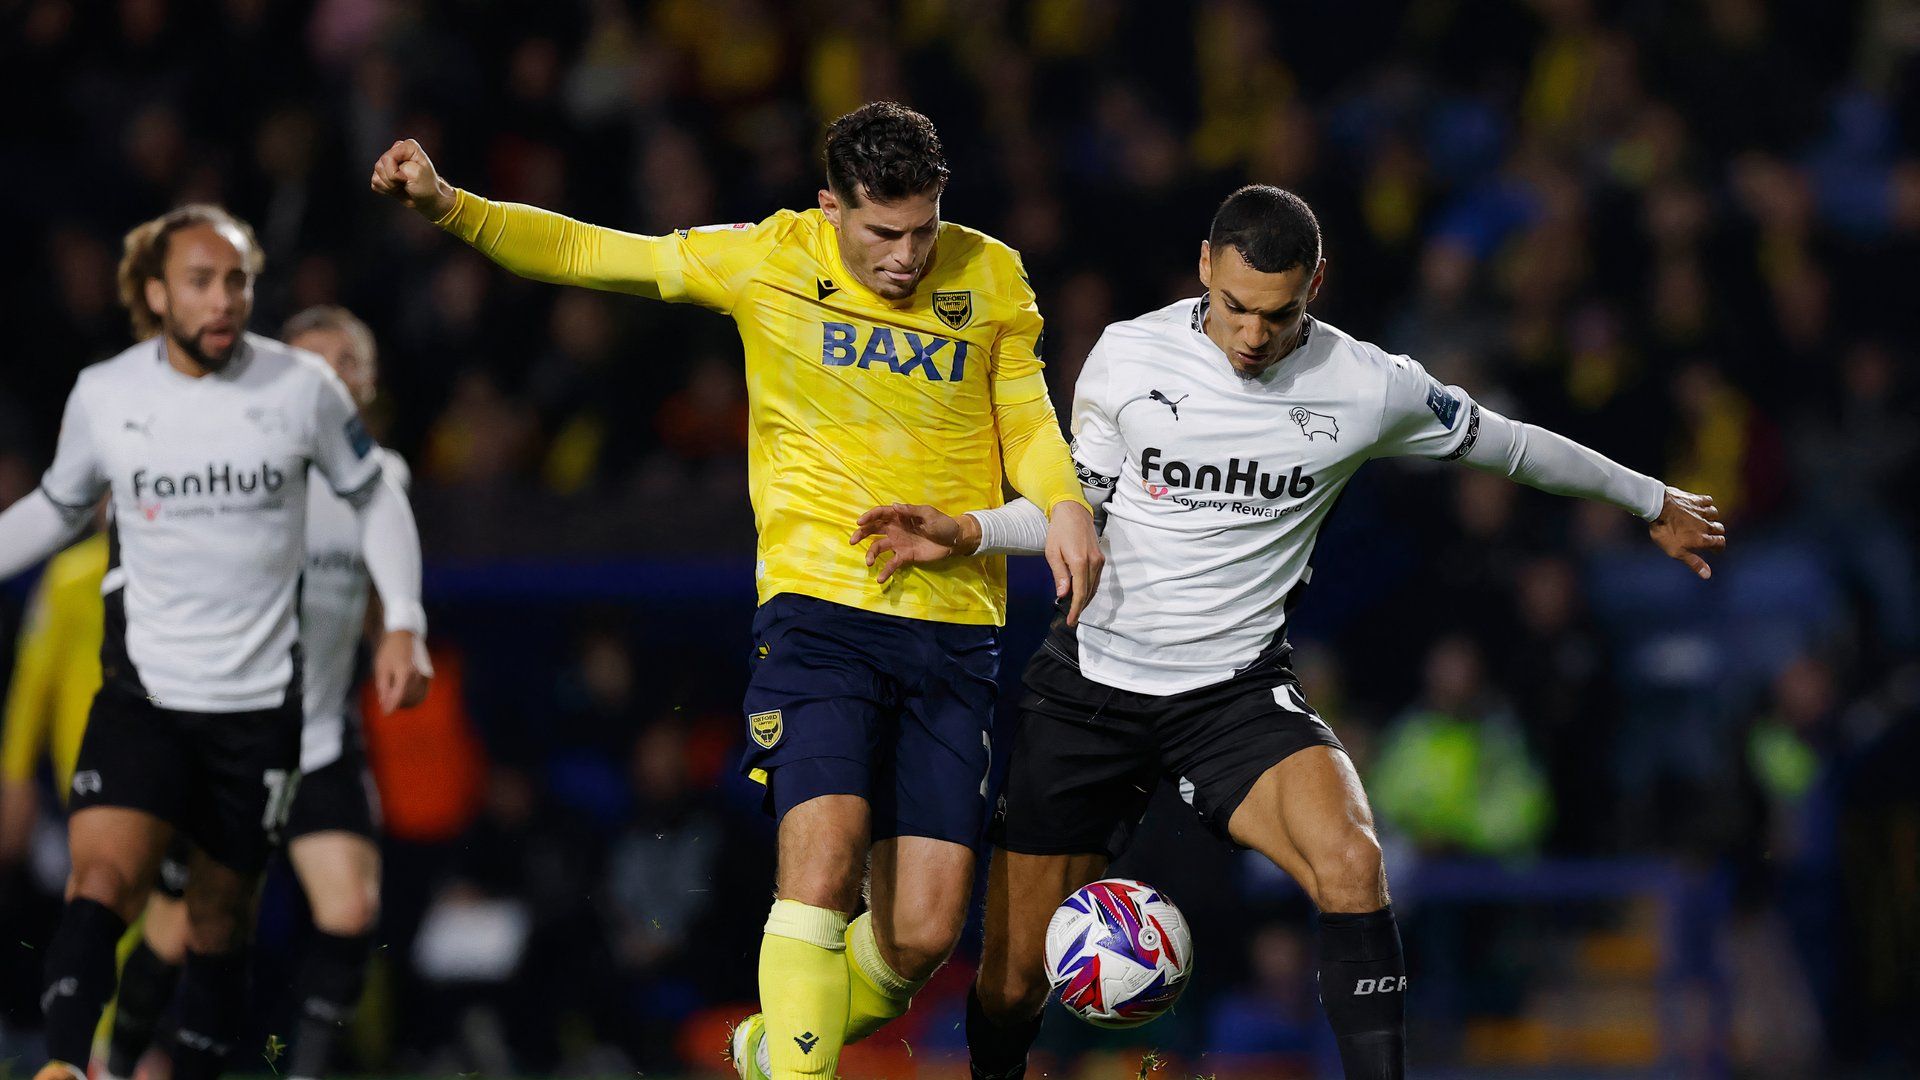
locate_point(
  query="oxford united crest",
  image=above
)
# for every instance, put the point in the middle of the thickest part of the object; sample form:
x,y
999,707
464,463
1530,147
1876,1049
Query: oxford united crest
x,y
766,727
954,308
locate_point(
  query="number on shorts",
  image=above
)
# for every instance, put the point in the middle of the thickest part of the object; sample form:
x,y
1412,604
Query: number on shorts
x,y
281,784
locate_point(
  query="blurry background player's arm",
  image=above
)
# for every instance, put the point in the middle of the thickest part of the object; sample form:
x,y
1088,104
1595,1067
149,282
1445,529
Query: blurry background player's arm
x,y
34,528
40,524
30,708
353,464
704,266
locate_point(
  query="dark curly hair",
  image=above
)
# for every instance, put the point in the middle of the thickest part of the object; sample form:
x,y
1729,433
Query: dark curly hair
x,y
884,151
144,256
1274,229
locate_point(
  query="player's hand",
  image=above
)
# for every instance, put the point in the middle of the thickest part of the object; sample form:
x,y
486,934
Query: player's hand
x,y
1073,551
401,671
914,534
406,173
1689,523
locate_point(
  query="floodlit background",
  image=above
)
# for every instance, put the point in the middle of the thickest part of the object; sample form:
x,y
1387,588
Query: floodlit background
x,y
1636,824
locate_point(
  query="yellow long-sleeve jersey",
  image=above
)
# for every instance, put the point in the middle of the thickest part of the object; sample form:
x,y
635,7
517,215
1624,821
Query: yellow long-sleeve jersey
x,y
855,400
57,670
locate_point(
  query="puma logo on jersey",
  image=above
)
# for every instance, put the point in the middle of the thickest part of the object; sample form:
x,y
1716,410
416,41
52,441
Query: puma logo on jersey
x,y
1173,404
145,427
1313,423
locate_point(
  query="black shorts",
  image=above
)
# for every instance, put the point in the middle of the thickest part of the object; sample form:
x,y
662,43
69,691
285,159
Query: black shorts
x,y
1087,756
224,780
338,796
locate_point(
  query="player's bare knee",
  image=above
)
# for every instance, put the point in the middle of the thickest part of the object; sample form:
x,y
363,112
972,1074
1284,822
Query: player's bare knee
x,y
918,950
110,885
348,915
1350,876
1010,995
214,930
823,887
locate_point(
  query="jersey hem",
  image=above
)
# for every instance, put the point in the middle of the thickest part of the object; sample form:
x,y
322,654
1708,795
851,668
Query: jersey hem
x,y
864,600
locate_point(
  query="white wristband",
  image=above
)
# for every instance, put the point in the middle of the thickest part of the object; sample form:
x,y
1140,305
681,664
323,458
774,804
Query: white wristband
x,y
1018,528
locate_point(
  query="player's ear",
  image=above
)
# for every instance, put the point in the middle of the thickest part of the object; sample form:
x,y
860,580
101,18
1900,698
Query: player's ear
x,y
156,296
830,206
1319,279
1206,265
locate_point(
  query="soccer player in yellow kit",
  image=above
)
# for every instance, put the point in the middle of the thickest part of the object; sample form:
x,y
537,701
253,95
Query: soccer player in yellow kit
x,y
55,675
890,357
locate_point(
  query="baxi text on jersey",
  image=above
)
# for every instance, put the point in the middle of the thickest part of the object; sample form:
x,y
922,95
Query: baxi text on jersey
x,y
1244,477
221,479
904,352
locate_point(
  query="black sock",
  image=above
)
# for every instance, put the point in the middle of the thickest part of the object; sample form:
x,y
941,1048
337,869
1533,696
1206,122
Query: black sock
x,y
213,1008
329,987
1363,988
79,978
997,1051
146,989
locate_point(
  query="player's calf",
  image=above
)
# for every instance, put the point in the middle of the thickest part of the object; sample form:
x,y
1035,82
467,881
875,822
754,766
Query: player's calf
x,y
1309,814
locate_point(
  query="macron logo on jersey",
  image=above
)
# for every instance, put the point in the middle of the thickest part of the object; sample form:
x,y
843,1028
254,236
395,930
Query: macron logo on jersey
x,y
845,344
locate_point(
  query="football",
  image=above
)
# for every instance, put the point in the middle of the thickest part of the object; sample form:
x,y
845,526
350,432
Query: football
x,y
1119,953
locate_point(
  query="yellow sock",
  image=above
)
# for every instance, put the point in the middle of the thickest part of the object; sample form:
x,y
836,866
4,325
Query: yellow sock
x,y
879,993
803,989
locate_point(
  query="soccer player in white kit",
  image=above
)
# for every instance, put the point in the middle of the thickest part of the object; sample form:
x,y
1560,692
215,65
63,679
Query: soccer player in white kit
x,y
203,435
1216,434
331,834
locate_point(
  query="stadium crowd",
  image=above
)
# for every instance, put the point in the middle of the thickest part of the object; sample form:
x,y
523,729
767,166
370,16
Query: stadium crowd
x,y
1681,234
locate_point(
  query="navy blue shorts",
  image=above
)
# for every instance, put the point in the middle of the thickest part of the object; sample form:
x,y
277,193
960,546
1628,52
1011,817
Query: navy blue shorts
x,y
897,711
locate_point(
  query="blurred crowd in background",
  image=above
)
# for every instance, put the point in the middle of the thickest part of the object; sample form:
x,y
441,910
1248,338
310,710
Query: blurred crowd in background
x,y
1682,233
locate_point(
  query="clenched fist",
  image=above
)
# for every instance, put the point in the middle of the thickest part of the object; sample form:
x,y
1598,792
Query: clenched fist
x,y
406,173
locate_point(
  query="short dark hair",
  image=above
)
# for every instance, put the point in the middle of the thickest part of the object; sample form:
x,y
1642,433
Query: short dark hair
x,y
884,151
1273,228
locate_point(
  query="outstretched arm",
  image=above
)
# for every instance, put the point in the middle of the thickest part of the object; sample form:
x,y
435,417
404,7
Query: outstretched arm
x,y
702,266
1681,522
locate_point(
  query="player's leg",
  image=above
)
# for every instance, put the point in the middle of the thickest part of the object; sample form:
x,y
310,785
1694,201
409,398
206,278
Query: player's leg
x,y
152,969
1010,992
1309,815
816,693
250,768
330,842
125,798
115,850
918,889
213,980
1261,768
803,971
929,810
1082,769
340,873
